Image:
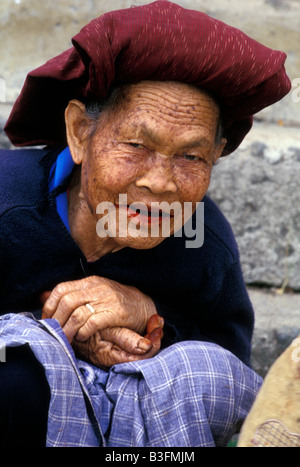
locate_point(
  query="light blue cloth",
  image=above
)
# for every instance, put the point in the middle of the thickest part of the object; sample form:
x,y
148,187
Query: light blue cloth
x,y
191,394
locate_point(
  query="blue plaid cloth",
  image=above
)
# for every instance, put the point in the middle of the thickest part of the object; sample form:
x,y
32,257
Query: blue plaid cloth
x,y
191,394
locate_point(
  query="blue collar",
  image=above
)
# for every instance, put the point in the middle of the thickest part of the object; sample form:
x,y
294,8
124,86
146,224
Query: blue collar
x,y
60,170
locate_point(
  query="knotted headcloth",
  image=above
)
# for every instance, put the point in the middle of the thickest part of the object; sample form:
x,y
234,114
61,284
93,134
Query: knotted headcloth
x,y
160,41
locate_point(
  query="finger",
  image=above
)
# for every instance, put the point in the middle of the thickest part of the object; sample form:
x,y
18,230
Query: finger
x,y
155,321
57,293
102,353
97,321
106,354
63,289
69,302
155,336
127,340
76,320
107,319
44,296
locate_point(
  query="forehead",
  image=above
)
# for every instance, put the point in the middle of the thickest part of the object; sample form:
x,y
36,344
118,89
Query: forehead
x,y
166,105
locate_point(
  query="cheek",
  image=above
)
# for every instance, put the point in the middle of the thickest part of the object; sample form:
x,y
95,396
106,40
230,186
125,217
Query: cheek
x,y
108,174
194,186
116,177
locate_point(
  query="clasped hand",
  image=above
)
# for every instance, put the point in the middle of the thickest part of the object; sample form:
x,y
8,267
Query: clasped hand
x,y
124,327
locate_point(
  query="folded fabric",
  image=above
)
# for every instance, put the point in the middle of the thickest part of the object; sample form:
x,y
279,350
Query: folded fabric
x,y
158,41
190,394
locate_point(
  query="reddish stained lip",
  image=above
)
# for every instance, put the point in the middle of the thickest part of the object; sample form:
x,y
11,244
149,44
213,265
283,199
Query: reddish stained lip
x,y
152,212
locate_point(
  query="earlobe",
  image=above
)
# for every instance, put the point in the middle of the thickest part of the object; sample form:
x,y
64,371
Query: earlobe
x,y
77,125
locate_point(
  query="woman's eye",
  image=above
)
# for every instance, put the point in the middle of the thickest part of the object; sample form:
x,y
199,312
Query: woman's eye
x,y
190,157
136,145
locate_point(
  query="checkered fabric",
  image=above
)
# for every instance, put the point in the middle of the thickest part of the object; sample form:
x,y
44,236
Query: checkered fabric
x,y
191,394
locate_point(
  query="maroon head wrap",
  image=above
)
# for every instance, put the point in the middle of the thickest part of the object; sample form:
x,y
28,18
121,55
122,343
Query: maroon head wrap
x,y
160,41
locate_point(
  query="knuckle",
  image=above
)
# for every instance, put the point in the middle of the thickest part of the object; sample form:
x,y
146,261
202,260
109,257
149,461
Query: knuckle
x,y
93,279
66,301
87,328
59,289
123,313
93,320
77,317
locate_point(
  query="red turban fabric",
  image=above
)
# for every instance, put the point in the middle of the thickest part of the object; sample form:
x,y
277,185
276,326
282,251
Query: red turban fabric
x,y
160,41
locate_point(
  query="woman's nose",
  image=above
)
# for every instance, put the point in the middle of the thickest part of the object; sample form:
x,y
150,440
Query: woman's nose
x,y
159,177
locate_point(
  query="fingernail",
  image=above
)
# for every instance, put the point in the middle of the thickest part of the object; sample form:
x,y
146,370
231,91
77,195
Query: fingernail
x,y
161,322
144,344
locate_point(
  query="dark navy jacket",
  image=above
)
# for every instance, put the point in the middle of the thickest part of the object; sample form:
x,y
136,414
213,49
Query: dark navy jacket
x,y
199,291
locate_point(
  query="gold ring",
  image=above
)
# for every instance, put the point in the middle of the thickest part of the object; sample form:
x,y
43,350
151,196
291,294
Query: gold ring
x,y
90,307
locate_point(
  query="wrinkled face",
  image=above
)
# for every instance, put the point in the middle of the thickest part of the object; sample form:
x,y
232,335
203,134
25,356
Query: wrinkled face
x,y
157,145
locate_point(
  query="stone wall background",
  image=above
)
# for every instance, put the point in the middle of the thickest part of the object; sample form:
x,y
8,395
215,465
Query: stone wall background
x,y
257,188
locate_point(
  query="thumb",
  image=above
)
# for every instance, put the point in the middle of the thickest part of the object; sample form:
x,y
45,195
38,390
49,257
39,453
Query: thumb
x,y
127,340
155,321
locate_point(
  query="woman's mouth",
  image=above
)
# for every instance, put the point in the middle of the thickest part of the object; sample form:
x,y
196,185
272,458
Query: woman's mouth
x,y
145,214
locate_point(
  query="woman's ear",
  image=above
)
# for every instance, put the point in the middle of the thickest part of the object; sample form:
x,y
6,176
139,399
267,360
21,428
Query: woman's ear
x,y
77,128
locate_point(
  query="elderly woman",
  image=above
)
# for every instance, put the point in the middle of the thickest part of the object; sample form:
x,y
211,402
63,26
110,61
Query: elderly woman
x,y
144,339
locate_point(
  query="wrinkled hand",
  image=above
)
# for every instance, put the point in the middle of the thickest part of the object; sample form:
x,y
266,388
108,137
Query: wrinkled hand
x,y
113,334
102,350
